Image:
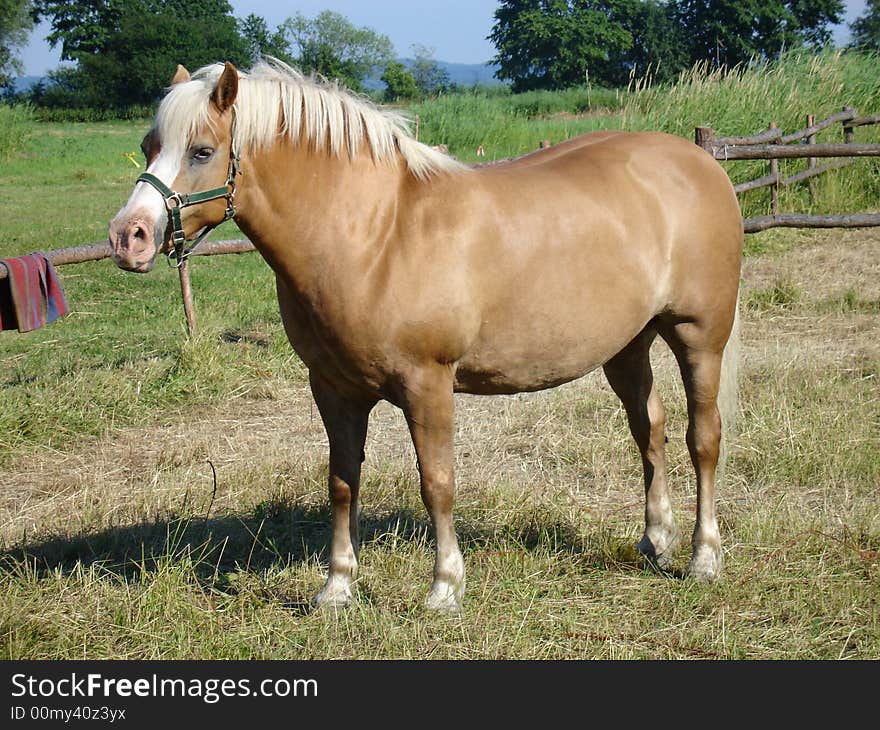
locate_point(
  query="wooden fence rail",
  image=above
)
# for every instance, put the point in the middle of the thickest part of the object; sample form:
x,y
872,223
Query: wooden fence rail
x,y
781,151
98,251
773,145
777,179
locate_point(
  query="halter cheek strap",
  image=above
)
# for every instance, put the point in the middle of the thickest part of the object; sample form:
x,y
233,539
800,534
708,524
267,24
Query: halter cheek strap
x,y
175,202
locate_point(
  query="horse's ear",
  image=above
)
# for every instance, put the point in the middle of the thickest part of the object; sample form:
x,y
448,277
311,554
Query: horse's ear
x,y
226,90
180,76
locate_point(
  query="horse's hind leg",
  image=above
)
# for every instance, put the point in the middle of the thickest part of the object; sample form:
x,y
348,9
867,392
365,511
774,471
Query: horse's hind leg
x,y
630,376
699,353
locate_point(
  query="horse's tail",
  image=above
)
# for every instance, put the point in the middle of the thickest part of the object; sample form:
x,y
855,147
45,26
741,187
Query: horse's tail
x,y
728,391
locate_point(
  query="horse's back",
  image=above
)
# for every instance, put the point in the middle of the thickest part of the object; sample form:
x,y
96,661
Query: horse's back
x,y
646,196
612,165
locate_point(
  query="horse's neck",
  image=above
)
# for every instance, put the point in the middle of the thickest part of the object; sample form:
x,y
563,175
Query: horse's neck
x,y
308,212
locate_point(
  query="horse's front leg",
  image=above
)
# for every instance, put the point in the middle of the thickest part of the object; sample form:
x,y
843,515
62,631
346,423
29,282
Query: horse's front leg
x,y
429,409
345,421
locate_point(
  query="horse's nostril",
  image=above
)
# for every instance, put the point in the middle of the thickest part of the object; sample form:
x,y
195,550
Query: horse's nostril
x,y
139,233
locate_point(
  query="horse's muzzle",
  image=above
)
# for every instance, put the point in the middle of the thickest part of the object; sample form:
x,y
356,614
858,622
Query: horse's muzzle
x,y
133,243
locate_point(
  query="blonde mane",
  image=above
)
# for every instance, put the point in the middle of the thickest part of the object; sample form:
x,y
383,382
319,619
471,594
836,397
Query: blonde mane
x,y
274,96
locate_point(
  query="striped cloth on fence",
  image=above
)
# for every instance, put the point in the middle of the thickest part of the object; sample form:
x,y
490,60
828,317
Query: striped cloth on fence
x,y
31,295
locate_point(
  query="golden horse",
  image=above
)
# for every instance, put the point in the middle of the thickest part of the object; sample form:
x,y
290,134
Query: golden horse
x,y
407,276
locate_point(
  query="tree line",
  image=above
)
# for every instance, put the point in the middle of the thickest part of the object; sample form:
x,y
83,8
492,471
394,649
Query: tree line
x,y
123,52
548,44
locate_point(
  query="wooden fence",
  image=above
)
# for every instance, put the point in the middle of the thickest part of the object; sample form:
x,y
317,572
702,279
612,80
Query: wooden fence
x,y
98,251
773,145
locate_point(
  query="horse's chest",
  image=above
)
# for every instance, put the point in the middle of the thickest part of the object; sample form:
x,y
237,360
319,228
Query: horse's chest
x,y
334,345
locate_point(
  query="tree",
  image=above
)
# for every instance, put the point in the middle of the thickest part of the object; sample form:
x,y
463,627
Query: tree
x,y
126,50
659,46
261,42
554,43
730,32
400,83
80,26
430,77
866,28
332,46
551,44
15,24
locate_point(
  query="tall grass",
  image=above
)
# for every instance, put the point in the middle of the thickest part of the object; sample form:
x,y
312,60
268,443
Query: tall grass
x,y
506,125
16,123
745,99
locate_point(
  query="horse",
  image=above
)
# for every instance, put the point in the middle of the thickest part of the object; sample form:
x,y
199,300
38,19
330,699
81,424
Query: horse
x,y
407,276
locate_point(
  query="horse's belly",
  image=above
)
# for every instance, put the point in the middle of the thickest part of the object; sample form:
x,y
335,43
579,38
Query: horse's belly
x,y
518,359
550,325
472,377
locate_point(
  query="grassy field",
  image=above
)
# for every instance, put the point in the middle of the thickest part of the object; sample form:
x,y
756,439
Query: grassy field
x,y
165,497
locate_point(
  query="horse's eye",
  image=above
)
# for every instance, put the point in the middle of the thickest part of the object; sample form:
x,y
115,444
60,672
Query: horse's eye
x,y
203,154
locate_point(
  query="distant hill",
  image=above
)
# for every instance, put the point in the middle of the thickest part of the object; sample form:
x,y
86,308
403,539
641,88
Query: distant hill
x,y
469,74
23,83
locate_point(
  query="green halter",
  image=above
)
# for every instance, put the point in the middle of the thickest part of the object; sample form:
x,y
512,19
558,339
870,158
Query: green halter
x,y
175,202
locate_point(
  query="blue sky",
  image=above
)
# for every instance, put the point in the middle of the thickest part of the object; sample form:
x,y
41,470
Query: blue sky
x,y
456,29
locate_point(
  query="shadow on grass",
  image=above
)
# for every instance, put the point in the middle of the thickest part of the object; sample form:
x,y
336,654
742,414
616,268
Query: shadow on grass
x,y
278,534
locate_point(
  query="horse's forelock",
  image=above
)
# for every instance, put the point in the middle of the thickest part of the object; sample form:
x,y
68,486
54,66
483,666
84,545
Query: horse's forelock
x,y
185,108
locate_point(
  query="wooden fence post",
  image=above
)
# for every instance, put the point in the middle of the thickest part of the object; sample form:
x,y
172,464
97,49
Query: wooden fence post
x,y
703,137
186,292
848,135
811,161
774,188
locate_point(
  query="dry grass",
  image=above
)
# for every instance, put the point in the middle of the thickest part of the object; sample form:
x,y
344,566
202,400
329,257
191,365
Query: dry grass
x,y
132,553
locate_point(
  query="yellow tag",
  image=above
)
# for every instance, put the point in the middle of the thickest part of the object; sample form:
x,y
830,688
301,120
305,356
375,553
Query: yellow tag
x,y
130,157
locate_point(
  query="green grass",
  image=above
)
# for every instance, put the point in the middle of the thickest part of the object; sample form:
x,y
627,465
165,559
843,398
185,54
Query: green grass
x,y
16,124
86,114
122,353
782,294
117,542
744,100
507,125
175,570
852,301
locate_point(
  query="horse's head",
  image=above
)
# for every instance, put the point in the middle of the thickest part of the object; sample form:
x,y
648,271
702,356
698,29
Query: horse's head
x,y
190,177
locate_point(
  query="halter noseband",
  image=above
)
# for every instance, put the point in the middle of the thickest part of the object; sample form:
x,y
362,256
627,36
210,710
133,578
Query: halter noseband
x,y
175,202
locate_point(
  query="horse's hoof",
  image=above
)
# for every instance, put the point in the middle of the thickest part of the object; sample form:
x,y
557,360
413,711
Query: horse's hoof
x,y
334,595
444,598
706,564
658,545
